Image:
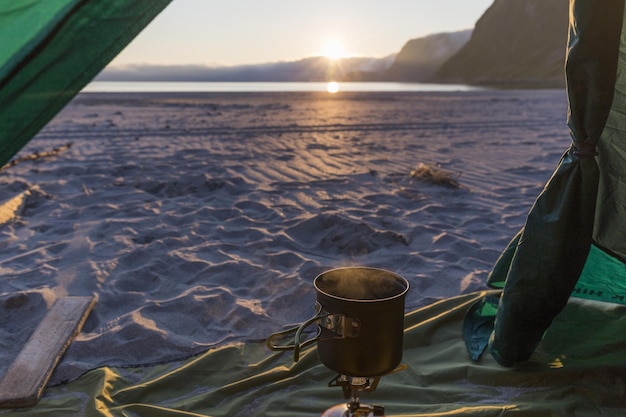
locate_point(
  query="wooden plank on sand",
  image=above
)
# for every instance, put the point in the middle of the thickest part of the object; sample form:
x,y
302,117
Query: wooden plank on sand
x,y
25,380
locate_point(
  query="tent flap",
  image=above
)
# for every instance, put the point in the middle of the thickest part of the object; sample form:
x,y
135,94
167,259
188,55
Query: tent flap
x,y
542,265
59,48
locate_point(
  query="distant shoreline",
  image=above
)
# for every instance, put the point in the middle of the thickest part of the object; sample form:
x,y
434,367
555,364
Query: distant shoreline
x,y
256,87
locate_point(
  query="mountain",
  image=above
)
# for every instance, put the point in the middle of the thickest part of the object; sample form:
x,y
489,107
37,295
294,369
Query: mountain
x,y
303,70
516,43
419,59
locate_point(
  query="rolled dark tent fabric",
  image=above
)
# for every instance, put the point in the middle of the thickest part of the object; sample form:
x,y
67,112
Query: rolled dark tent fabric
x,y
542,264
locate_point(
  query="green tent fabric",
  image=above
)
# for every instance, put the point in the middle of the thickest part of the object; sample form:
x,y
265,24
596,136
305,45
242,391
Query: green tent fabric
x,y
583,202
51,49
564,379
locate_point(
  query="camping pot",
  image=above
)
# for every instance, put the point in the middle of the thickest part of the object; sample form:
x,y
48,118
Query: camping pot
x,y
360,321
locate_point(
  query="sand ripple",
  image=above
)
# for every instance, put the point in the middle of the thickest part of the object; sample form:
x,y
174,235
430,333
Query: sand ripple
x,y
202,219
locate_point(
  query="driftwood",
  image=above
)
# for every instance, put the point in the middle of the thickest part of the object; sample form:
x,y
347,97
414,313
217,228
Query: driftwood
x,y
27,377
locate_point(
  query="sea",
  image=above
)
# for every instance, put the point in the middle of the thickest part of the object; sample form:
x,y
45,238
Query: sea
x,y
264,87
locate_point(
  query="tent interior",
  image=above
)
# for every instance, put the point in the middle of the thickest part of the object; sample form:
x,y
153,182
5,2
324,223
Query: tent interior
x,y
513,350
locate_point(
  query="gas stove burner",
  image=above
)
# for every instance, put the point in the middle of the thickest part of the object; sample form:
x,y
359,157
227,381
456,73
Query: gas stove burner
x,y
351,387
354,384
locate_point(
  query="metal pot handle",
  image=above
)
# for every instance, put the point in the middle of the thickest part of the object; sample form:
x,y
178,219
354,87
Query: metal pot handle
x,y
297,346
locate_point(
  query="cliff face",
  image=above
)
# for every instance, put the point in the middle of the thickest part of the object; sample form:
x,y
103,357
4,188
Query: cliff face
x,y
515,43
419,59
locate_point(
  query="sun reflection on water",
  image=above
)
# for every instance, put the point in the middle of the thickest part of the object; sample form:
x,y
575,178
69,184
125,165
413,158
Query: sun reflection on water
x,y
332,87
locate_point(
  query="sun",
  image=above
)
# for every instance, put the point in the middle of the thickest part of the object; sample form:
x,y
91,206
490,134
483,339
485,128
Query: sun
x,y
333,49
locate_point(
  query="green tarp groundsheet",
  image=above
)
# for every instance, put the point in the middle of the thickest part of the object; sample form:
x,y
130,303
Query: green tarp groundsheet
x,y
564,377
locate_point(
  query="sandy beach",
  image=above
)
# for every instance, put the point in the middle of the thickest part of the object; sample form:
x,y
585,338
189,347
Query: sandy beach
x,y
202,219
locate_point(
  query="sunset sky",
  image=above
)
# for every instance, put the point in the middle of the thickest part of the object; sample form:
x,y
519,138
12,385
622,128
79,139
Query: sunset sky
x,y
235,32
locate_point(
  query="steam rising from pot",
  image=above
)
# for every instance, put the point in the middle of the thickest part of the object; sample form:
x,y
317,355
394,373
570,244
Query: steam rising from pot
x,y
360,284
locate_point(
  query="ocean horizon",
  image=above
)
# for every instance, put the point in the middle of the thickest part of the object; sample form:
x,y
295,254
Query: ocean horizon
x,y
264,87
